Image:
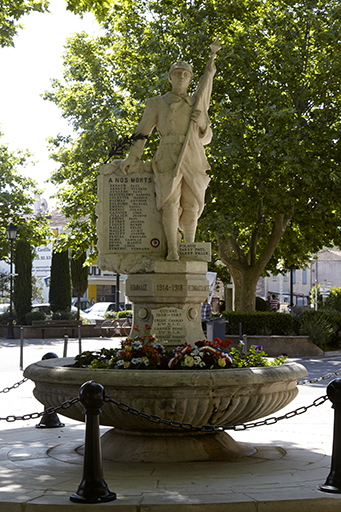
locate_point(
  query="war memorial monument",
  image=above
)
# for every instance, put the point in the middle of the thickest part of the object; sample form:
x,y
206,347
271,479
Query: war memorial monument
x,y
144,212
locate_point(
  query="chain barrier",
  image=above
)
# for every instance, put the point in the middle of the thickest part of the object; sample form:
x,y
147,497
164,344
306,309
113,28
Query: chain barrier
x,y
319,379
35,415
215,428
16,385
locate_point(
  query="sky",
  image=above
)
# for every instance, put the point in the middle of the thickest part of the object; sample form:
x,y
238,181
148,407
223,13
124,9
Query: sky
x,y
26,120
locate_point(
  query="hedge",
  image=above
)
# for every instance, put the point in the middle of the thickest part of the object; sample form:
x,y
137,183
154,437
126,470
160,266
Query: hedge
x,y
259,323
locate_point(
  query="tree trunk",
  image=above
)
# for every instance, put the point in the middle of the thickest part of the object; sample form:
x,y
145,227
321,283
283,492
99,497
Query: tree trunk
x,y
245,284
247,267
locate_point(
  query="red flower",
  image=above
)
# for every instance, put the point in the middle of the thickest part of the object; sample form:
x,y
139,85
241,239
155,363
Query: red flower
x,y
201,343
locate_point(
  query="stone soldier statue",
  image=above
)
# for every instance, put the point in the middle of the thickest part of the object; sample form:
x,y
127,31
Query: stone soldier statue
x,y
180,162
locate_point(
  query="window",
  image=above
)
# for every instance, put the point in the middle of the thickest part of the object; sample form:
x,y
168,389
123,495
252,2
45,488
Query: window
x,y
294,275
274,278
304,276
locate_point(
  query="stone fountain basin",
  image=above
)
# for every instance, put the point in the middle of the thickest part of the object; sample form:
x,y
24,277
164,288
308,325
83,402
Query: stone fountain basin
x,y
216,397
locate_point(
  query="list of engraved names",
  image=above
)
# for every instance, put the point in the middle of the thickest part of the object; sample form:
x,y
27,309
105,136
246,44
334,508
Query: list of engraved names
x,y
129,200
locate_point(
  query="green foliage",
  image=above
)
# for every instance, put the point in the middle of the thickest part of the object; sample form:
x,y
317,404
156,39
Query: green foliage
x,y
17,197
4,284
64,315
37,289
262,305
254,357
261,323
322,328
275,111
60,282
34,315
118,314
100,8
79,277
4,318
110,314
22,295
12,11
319,296
333,302
124,313
10,14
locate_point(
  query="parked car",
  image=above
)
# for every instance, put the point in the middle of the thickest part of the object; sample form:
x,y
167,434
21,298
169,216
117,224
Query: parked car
x,y
47,309
85,303
98,310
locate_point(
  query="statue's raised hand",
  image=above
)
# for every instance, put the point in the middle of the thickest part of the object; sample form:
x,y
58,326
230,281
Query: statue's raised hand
x,y
128,164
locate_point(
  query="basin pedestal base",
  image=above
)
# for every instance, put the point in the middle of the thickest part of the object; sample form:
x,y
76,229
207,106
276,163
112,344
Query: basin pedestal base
x,y
128,446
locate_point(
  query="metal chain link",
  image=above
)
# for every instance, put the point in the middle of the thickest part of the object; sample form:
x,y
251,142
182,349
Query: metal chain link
x,y
319,379
35,415
16,385
214,428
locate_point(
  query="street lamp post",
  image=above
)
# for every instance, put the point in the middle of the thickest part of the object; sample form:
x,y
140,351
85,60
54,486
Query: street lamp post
x,y
11,235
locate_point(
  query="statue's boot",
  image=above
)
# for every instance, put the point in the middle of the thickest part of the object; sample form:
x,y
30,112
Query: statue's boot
x,y
170,222
189,221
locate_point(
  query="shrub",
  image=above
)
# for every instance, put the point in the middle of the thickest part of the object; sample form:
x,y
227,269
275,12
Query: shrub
x,y
262,304
22,292
110,314
261,323
333,302
64,315
4,318
34,315
124,313
60,282
319,327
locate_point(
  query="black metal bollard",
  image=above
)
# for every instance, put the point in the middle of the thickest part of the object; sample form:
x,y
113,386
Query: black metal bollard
x,y
92,488
333,482
50,420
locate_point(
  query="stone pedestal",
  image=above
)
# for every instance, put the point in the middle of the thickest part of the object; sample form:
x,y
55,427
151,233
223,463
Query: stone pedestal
x,y
169,300
166,295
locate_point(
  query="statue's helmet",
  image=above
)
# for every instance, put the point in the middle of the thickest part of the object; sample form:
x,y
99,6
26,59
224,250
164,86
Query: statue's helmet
x,y
180,65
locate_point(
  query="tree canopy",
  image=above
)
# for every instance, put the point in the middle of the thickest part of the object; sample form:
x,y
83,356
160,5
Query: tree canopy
x,y
13,10
275,112
17,197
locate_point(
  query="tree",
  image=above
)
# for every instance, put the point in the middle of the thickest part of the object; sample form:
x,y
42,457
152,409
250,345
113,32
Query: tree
x,y
22,294
60,282
4,285
10,15
37,289
275,113
79,276
13,11
17,197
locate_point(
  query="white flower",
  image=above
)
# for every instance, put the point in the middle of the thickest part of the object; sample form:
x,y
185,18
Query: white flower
x,y
189,360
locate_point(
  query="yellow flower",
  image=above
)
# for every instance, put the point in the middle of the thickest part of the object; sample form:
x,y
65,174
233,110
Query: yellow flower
x,y
144,358
222,362
189,361
126,364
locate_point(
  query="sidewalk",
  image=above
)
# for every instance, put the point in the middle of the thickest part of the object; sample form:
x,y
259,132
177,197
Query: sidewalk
x,y
40,468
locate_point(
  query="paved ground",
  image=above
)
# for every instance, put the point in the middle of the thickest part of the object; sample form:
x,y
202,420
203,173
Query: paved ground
x,y
39,469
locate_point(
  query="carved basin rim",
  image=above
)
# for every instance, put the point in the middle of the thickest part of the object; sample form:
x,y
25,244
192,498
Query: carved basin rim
x,y
57,370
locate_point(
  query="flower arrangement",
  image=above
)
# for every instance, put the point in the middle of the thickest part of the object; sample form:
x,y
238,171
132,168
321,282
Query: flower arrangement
x,y
145,352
